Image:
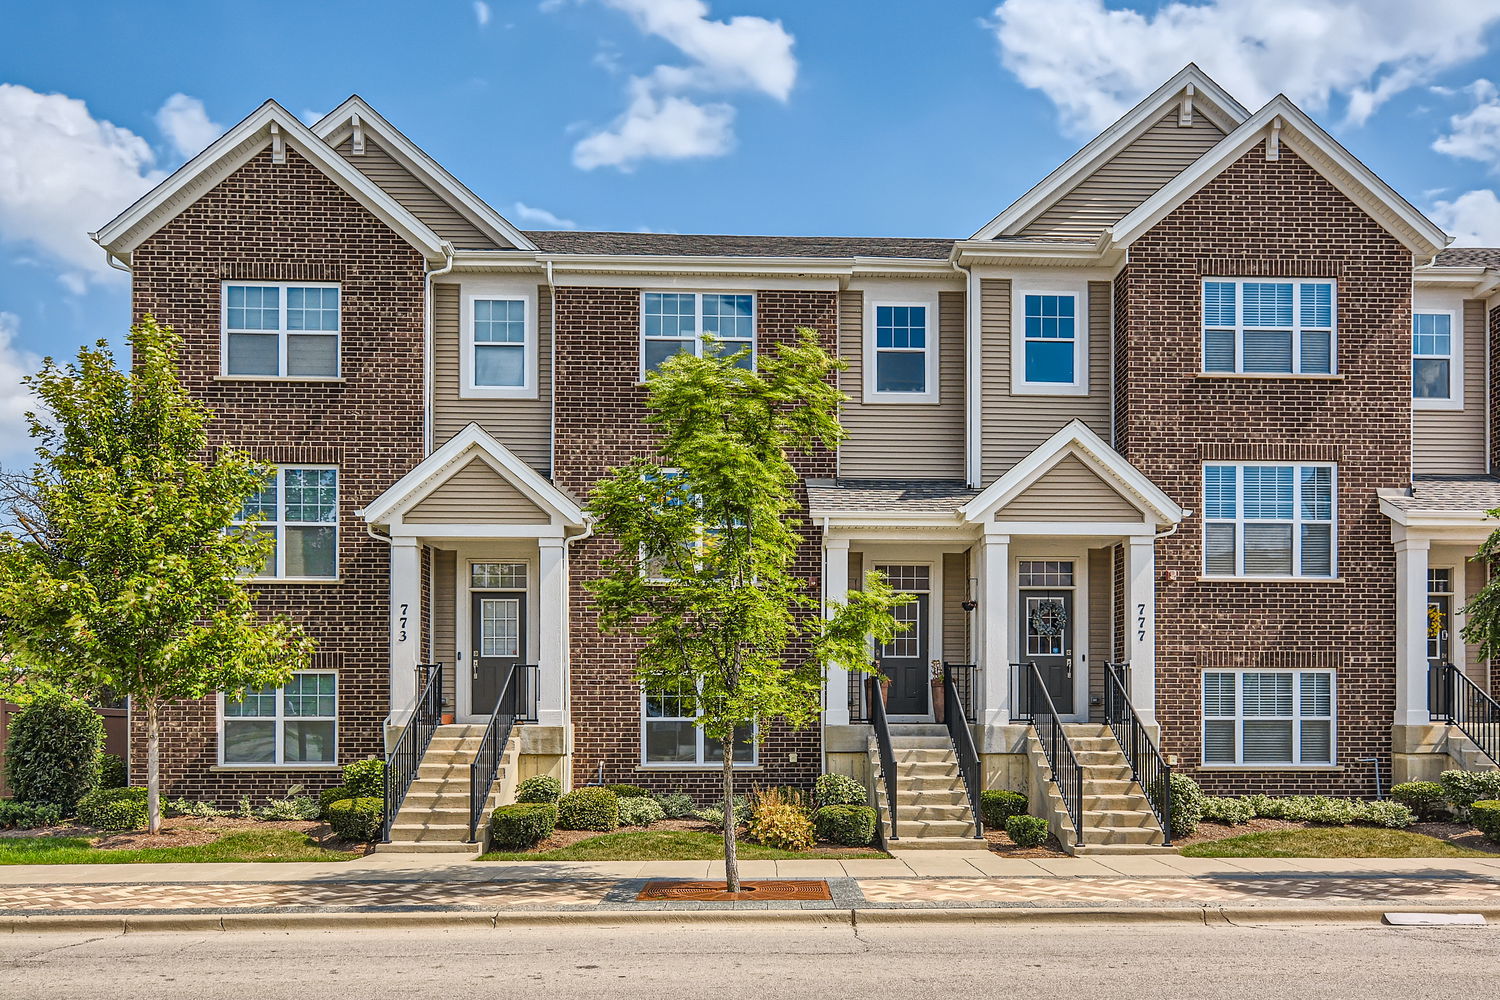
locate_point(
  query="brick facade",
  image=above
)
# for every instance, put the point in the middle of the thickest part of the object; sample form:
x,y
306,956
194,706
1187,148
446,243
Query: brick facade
x,y
1273,218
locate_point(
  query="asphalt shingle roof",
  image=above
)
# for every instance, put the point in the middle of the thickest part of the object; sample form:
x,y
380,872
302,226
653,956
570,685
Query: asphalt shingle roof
x,y
887,495
680,245
1469,257
1451,493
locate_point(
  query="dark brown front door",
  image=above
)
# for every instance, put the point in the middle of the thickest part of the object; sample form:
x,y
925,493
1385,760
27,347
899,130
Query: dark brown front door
x,y
1047,627
498,623
904,658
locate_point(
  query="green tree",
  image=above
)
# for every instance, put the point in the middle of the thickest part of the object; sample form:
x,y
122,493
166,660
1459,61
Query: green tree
x,y
707,542
126,572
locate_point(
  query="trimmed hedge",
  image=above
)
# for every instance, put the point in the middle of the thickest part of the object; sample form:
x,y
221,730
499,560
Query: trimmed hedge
x,y
329,796
112,771
1226,811
541,788
1026,831
1464,788
852,826
1425,798
839,790
588,809
996,806
28,815
357,819
628,791
365,779
640,810
676,805
1486,813
113,809
53,751
523,825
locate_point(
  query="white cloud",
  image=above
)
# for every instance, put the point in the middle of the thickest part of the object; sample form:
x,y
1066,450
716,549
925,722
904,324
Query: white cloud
x,y
185,122
15,398
1475,134
1473,218
1095,62
482,13
540,217
742,54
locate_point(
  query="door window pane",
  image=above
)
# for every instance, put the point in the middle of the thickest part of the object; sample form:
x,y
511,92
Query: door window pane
x,y
498,576
500,627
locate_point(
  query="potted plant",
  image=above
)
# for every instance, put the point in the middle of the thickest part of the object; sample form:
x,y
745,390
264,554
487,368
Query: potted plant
x,y
447,714
937,690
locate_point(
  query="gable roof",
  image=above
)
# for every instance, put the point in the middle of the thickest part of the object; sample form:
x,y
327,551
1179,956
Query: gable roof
x,y
266,125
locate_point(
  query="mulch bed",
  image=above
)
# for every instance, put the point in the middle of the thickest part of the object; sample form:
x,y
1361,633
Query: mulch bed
x,y
1000,843
567,838
189,831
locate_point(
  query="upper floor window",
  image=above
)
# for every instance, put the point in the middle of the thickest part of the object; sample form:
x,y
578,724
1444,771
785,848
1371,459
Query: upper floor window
x,y
280,330
1435,361
677,322
1269,327
299,508
1269,520
1049,351
499,359
901,353
295,724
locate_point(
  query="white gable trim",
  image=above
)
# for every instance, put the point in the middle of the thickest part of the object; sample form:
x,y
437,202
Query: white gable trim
x,y
470,443
1208,98
338,122
1320,150
1075,439
269,122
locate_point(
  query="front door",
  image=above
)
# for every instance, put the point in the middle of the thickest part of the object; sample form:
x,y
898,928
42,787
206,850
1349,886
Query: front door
x,y
1046,590
498,622
1439,616
904,658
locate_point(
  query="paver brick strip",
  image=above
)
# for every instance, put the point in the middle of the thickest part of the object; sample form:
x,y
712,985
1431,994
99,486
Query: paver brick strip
x,y
782,890
1169,890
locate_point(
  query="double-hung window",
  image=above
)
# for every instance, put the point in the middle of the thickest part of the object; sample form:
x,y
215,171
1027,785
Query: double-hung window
x,y
295,724
671,735
299,508
901,355
1270,717
677,323
499,355
278,330
1434,360
1269,520
1269,327
1049,346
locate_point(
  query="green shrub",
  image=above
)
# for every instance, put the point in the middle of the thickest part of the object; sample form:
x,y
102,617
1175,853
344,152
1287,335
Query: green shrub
x,y
358,819
16,815
329,796
853,826
588,809
113,809
677,805
997,805
1026,831
640,810
1486,813
1331,811
1227,811
53,751
542,788
839,790
1464,788
365,779
293,806
782,824
713,815
1187,805
1388,814
198,810
112,771
1425,798
523,825
628,791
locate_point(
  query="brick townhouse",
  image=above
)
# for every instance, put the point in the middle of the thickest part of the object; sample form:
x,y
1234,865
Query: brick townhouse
x,y
1193,438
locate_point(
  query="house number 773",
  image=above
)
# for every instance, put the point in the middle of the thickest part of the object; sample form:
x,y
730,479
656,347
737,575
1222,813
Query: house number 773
x,y
1140,622
401,624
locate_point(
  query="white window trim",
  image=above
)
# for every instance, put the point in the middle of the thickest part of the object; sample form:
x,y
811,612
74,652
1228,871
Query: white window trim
x,y
697,339
280,524
281,334
871,352
1080,384
1296,327
481,292
280,722
1296,520
701,763
1296,719
1455,399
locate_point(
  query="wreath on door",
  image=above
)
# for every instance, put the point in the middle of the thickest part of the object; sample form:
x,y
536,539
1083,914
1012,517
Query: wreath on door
x,y
1048,619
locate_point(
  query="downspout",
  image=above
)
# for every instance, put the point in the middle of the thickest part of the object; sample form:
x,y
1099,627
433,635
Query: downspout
x,y
114,262
427,347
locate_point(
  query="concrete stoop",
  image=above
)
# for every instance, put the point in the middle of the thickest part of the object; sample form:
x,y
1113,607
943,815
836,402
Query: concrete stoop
x,y
434,816
932,804
1117,817
1465,753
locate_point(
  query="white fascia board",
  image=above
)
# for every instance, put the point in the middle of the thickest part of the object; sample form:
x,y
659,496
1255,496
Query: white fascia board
x,y
1208,95
669,265
1319,150
1475,281
1035,253
1438,519
843,517
415,159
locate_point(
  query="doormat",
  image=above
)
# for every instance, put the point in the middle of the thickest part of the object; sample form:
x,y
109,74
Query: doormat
x,y
781,890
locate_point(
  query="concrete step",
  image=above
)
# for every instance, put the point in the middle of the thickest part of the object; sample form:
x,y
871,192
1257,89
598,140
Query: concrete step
x,y
429,817
925,811
924,782
421,832
428,847
1108,772
1086,849
1123,800
912,843
932,796
449,798
1095,744
1086,730
460,729
899,743
456,771
449,743
927,768
1114,835
1119,819
918,729
924,755
919,829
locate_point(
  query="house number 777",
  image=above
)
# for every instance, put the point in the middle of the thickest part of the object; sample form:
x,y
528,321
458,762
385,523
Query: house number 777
x,y
1140,622
401,624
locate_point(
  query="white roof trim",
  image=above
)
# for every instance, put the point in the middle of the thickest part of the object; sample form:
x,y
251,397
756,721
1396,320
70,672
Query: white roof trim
x,y
1208,96
437,468
1075,439
231,151
415,159
1315,146
1437,519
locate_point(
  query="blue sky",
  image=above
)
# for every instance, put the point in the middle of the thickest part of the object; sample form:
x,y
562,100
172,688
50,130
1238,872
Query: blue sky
x,y
756,116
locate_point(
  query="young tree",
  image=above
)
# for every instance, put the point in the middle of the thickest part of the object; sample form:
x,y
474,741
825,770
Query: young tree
x,y
707,542
125,573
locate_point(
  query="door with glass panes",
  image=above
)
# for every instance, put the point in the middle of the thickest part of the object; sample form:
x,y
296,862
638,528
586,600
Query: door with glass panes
x,y
497,623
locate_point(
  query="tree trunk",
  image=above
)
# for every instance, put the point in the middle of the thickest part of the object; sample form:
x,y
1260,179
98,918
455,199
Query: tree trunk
x,y
731,860
153,769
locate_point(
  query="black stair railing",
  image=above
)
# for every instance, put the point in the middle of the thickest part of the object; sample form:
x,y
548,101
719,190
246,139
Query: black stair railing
x,y
1458,701
402,762
1150,769
1066,772
859,709
516,704
876,707
958,692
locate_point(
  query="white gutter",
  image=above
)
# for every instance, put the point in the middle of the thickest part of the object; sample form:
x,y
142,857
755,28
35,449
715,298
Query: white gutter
x,y
427,347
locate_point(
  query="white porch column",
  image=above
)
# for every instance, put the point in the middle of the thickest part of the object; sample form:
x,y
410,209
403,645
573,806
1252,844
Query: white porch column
x,y
406,624
552,593
1411,631
994,627
1140,625
835,590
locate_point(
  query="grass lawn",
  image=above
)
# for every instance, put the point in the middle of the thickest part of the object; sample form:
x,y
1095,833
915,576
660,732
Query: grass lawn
x,y
667,845
266,845
1332,842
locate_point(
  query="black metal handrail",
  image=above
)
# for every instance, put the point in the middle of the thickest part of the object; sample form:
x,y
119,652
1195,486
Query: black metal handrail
x,y
1020,692
1455,699
859,709
1151,770
958,690
402,762
883,744
1067,774
516,703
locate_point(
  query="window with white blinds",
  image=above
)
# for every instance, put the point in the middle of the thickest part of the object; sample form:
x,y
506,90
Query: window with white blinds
x,y
1269,327
1271,520
1268,717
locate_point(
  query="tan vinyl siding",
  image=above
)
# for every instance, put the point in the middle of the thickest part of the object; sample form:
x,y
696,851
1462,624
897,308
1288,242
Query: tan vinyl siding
x,y
1127,179
1069,491
1452,441
445,617
522,425
1013,426
955,618
416,197
903,440
1101,586
476,494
